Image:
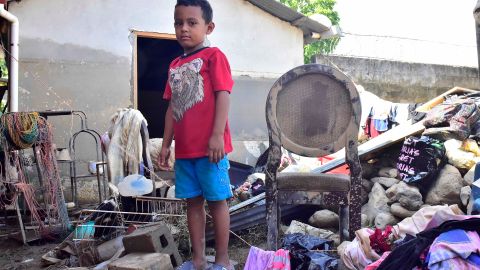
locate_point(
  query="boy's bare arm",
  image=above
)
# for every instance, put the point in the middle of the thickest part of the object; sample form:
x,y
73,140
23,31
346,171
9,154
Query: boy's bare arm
x,y
216,150
167,138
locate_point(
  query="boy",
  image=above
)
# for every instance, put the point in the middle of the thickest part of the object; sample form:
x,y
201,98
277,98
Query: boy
x,y
198,88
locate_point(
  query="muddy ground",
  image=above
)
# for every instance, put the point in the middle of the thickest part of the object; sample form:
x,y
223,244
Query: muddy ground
x,y
16,256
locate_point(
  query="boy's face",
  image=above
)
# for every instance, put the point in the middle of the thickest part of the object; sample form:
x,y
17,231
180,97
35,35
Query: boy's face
x,y
190,27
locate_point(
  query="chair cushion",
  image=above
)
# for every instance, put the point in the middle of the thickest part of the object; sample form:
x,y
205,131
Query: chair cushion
x,y
313,182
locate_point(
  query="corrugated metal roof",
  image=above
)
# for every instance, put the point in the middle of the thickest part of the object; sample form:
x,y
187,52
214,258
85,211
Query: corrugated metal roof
x,y
306,24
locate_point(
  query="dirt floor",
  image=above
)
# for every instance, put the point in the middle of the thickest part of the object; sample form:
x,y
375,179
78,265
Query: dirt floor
x,y
16,256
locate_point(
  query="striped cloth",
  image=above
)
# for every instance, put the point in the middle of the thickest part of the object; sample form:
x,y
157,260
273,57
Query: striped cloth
x,y
455,249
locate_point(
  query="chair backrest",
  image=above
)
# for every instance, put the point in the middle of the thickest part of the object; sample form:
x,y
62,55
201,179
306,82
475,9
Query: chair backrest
x,y
313,110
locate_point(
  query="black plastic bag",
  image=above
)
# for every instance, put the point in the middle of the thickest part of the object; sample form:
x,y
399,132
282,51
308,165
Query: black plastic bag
x,y
420,160
303,256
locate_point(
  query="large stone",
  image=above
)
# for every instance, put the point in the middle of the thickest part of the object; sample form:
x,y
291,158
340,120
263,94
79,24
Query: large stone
x,y
465,194
386,182
468,177
299,227
388,172
401,212
384,219
377,203
408,196
324,219
153,239
367,185
365,221
446,189
142,261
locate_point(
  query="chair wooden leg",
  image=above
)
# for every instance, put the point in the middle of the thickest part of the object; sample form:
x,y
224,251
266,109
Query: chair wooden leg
x,y
344,223
272,221
355,210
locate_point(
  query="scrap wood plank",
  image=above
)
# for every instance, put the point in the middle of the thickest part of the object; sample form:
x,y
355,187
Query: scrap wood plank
x,y
388,138
427,106
393,135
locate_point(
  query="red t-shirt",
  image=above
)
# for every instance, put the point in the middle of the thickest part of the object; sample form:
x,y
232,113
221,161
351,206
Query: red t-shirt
x,y
192,83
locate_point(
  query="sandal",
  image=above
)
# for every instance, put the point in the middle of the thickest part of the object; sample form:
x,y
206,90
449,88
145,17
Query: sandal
x,y
188,265
220,267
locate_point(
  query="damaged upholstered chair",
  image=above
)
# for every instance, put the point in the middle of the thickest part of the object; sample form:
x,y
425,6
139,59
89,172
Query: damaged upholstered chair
x,y
313,111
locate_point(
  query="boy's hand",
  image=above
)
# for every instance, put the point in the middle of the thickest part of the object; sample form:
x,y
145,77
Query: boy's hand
x,y
163,158
216,150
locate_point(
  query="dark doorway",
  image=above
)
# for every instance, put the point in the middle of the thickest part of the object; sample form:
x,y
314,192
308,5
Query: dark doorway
x,y
153,58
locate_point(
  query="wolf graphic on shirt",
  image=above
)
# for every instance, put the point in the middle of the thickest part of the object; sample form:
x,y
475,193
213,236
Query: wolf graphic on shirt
x,y
186,83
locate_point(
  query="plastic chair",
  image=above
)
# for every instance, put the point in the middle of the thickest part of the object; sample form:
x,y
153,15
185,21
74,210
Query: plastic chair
x,y
313,110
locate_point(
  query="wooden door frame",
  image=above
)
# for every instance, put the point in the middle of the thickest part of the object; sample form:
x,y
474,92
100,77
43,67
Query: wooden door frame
x,y
143,34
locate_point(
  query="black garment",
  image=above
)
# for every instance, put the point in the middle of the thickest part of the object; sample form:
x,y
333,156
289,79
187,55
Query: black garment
x,y
407,255
413,114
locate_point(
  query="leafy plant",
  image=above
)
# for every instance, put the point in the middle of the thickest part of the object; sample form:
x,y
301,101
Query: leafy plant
x,y
308,8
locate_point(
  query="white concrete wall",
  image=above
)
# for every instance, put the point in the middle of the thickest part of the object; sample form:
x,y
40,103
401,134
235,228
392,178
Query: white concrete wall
x,y
418,31
257,44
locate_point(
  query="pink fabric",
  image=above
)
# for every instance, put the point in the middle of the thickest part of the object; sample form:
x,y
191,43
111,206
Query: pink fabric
x,y
281,260
425,218
451,250
377,263
259,259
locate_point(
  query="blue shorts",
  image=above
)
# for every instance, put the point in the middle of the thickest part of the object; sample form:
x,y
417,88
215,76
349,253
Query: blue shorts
x,y
199,177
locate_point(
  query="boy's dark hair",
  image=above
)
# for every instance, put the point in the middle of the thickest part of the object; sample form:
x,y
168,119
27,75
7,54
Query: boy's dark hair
x,y
203,4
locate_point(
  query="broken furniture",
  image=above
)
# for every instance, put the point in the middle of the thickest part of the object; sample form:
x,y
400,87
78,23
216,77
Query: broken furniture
x,y
99,159
73,159
313,110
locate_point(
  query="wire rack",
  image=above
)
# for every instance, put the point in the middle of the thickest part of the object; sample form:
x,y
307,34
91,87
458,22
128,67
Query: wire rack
x,y
161,206
94,224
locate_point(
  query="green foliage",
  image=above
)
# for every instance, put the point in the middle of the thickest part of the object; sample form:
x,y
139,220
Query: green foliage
x,y
3,68
310,7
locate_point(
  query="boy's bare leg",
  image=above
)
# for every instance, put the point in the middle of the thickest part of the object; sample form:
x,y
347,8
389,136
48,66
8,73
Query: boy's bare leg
x,y
196,227
221,223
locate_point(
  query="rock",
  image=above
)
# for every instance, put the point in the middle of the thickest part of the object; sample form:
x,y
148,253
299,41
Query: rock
x,y
388,172
446,189
408,196
364,196
324,219
470,206
299,227
377,203
465,194
367,185
386,182
366,188
365,221
401,212
384,219
468,177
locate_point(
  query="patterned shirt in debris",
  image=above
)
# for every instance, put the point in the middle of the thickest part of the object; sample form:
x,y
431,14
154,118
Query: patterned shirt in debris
x,y
192,82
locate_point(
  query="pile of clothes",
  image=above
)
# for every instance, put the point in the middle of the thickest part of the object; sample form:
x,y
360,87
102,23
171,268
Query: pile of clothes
x,y
435,237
